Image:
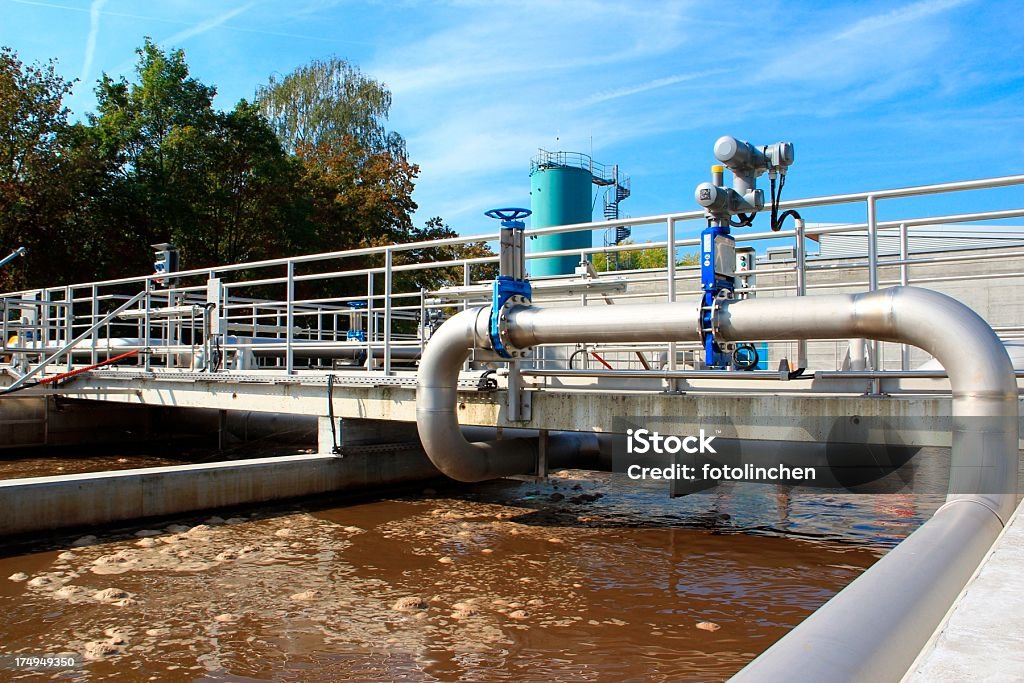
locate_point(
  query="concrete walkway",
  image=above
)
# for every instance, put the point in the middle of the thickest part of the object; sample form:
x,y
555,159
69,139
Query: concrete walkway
x,y
982,637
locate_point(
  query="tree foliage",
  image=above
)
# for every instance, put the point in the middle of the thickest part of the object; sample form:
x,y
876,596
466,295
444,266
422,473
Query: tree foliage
x,y
329,104
434,278
331,116
157,162
39,188
653,257
218,185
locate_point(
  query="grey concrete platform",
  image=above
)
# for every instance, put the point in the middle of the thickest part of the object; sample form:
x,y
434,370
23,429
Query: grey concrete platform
x,y
982,636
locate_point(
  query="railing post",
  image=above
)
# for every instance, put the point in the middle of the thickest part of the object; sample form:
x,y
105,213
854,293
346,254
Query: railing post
x,y
466,281
801,287
371,322
3,340
44,322
145,323
69,319
904,281
290,320
873,269
387,310
222,322
670,264
93,317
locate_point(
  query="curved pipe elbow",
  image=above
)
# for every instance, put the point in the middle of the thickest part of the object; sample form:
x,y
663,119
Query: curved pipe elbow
x,y
985,405
436,405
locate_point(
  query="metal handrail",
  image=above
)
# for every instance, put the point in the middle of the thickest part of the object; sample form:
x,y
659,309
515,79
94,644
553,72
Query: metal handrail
x,y
75,342
396,302
1002,181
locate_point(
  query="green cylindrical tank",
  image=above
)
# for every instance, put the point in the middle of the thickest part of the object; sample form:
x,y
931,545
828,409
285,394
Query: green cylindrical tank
x,y
559,195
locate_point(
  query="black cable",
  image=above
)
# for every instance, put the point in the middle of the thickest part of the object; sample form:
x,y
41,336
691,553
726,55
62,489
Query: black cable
x,y
775,203
335,448
573,356
746,220
791,212
487,381
776,196
218,355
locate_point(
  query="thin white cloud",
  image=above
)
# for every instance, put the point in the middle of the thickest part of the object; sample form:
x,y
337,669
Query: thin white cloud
x,y
550,40
306,37
90,41
475,100
650,85
204,26
902,15
873,48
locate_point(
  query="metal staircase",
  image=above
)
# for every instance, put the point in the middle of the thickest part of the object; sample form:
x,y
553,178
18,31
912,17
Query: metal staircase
x,y
616,193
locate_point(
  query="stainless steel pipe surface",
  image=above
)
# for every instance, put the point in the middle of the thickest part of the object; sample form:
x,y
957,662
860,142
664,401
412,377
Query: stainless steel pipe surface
x,y
874,628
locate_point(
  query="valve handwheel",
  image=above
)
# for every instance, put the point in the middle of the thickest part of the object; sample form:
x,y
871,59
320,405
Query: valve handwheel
x,y
509,214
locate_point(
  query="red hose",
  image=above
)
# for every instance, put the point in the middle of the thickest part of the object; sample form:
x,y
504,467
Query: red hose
x,y
79,371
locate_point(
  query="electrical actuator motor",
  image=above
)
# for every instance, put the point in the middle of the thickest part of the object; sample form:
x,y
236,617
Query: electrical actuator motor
x,y
718,260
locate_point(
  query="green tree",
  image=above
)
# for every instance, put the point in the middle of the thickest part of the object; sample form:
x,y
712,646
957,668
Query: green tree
x,y
640,259
216,184
329,105
157,163
331,116
254,203
361,198
151,131
46,178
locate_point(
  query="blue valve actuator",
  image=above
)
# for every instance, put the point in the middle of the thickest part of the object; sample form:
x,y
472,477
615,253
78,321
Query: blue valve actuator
x,y
713,283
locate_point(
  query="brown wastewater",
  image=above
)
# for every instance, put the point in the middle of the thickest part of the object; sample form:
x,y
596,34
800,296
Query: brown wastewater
x,y
580,578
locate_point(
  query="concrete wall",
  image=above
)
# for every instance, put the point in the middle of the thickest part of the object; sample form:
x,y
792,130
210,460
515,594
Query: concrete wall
x,y
27,421
46,504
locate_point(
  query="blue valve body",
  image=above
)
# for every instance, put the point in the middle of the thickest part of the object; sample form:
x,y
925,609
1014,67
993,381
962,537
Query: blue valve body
x,y
712,284
505,288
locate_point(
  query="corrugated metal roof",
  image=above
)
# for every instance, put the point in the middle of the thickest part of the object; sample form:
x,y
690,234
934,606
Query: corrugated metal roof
x,y
923,239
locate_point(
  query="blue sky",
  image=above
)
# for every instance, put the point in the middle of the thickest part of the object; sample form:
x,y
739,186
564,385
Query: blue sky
x,y
873,94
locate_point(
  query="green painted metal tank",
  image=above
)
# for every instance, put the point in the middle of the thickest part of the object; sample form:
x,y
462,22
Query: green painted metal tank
x,y
559,195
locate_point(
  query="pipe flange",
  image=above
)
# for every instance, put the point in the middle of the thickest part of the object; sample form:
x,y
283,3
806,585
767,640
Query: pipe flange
x,y
712,312
716,306
503,331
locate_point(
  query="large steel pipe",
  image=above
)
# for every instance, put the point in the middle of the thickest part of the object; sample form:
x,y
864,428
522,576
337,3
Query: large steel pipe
x,y
873,629
436,397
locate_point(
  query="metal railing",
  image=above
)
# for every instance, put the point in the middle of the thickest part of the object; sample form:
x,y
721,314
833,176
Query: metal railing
x,y
601,173
292,314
